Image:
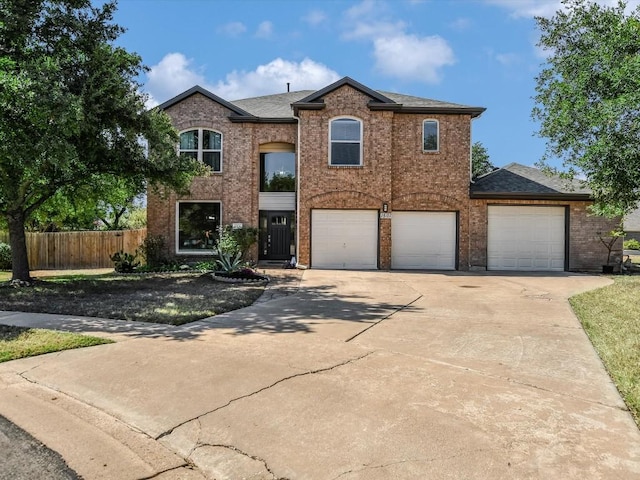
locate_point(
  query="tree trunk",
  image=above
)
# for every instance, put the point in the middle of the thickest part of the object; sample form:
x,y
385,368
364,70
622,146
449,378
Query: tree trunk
x,y
18,242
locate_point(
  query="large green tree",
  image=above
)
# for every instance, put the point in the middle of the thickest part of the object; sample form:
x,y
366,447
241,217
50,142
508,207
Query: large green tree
x,y
588,98
71,112
480,162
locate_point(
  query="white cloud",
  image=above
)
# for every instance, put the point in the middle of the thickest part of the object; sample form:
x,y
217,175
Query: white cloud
x,y
265,29
175,73
547,8
410,57
507,58
374,29
315,17
232,29
461,24
273,77
171,76
397,53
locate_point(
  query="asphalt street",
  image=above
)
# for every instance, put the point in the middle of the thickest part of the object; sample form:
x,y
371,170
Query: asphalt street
x,y
24,458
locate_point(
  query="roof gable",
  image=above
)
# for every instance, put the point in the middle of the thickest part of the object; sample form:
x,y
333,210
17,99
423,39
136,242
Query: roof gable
x,y
519,181
237,111
317,96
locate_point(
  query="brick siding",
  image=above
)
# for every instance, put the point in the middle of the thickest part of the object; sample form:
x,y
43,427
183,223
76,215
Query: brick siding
x,y
586,251
394,170
237,186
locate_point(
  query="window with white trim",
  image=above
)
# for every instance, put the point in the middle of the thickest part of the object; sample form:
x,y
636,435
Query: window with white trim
x,y
430,136
204,145
345,138
197,226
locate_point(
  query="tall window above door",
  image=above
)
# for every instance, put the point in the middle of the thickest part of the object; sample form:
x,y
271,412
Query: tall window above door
x,y
204,145
430,136
345,135
278,172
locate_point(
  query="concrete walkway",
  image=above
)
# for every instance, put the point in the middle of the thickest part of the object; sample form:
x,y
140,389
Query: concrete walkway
x,y
360,375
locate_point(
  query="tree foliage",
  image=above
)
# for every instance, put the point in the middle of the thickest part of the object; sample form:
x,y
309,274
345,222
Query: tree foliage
x,y
71,113
588,98
480,162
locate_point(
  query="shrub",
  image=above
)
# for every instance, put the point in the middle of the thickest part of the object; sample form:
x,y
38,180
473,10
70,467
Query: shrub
x,y
154,251
229,263
227,244
124,262
632,244
233,240
5,256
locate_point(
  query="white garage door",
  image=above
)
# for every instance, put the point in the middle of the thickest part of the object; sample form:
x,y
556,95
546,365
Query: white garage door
x,y
344,239
423,240
526,238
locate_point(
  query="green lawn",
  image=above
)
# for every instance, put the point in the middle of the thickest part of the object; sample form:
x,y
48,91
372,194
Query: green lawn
x,y
611,318
5,275
19,342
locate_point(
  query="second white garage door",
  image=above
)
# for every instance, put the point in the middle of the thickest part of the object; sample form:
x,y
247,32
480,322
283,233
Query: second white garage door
x,y
423,240
344,239
526,238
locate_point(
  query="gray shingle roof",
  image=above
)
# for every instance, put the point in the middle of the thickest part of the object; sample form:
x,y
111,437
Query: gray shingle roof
x,y
419,102
272,106
279,107
519,181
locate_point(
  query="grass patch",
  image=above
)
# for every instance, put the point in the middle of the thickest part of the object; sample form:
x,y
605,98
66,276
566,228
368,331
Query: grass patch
x,y
161,298
611,318
5,276
20,342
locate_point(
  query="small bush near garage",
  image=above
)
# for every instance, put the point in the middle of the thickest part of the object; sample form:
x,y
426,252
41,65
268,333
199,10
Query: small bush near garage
x,y
632,244
5,256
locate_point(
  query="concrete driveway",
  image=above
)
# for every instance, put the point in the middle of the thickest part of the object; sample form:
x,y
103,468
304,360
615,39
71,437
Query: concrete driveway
x,y
360,375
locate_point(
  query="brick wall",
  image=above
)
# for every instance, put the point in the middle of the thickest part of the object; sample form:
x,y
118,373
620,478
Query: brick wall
x,y
237,186
395,170
586,252
434,181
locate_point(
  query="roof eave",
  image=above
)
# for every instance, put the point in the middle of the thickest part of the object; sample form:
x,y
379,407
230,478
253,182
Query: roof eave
x,y
473,111
532,196
377,96
253,119
212,96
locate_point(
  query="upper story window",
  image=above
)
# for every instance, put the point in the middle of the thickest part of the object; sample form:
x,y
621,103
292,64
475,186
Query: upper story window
x,y
345,135
430,136
278,172
204,145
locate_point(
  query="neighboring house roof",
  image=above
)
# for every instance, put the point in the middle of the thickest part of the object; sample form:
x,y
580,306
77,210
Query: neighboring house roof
x,y
281,108
519,181
632,221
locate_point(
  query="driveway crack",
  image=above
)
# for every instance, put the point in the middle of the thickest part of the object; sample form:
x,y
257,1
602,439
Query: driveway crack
x,y
245,454
179,467
277,382
384,318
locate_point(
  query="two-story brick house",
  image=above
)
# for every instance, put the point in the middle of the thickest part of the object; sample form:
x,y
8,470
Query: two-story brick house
x,y
349,177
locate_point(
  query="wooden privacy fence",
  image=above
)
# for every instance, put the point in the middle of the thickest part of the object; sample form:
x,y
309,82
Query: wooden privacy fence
x,y
67,250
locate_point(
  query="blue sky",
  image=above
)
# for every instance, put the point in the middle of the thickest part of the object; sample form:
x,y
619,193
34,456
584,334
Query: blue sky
x,y
474,52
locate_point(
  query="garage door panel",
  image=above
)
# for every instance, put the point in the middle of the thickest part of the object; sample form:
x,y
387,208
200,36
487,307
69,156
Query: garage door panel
x,y
526,238
423,240
344,239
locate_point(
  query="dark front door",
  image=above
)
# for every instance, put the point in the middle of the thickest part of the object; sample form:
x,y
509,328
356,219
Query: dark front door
x,y
277,243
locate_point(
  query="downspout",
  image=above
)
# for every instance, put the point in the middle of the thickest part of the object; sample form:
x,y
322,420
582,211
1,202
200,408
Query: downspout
x,y
298,175
469,266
